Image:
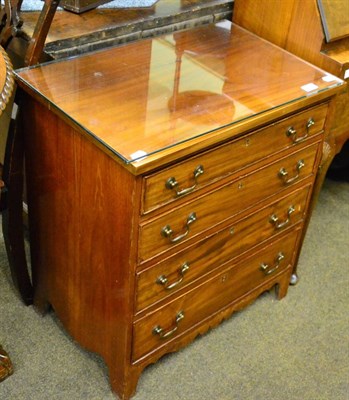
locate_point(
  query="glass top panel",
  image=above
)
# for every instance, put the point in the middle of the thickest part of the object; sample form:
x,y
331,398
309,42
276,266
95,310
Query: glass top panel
x,y
147,96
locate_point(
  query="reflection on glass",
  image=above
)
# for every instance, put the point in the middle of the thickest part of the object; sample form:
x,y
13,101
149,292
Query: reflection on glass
x,y
144,97
189,100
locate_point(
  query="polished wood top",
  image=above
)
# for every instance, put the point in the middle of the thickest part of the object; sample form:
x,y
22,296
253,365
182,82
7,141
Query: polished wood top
x,y
6,80
172,93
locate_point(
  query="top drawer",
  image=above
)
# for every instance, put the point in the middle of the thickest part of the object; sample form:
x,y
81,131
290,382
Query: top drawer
x,y
197,172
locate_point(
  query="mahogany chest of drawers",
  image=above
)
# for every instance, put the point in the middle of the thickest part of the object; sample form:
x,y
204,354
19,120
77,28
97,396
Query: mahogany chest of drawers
x,y
170,182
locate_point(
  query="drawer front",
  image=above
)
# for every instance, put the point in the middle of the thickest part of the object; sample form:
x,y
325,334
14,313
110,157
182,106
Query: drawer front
x,y
157,328
172,274
186,177
182,224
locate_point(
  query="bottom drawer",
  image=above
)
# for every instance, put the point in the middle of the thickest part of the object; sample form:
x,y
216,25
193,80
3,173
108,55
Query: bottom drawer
x,y
157,328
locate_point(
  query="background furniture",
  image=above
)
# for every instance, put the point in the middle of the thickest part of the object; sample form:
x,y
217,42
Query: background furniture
x,y
30,50
81,6
150,224
315,30
56,33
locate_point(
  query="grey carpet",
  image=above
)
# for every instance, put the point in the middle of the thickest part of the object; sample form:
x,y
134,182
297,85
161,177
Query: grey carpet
x,y
294,349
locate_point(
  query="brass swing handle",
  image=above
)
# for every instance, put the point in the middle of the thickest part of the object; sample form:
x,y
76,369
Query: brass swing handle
x,y
292,133
164,335
274,219
163,280
267,269
172,183
167,232
283,174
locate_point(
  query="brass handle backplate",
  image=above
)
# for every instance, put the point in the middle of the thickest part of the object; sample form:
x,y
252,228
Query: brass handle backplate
x,y
172,183
274,219
283,174
163,280
292,132
167,231
267,269
157,330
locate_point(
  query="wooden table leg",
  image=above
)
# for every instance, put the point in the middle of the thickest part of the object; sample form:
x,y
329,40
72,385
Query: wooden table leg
x,y
42,27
